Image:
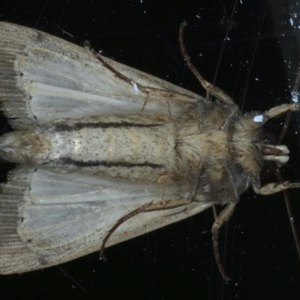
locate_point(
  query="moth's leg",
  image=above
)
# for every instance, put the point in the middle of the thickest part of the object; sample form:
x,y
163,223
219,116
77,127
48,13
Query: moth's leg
x,y
223,217
273,187
280,110
163,205
291,215
215,211
210,88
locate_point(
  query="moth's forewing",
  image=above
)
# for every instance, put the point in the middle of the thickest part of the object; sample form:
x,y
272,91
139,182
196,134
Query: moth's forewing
x,y
45,78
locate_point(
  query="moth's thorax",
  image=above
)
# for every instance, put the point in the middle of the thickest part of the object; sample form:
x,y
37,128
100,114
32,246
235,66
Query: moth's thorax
x,y
221,147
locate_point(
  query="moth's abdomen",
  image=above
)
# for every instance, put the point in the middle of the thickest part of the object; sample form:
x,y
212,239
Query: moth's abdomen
x,y
129,150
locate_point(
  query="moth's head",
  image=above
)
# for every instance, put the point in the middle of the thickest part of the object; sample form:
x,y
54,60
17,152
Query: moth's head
x,y
247,145
251,149
272,150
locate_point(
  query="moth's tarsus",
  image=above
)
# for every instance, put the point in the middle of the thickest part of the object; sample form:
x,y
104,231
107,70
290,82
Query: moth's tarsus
x,y
223,217
279,110
275,187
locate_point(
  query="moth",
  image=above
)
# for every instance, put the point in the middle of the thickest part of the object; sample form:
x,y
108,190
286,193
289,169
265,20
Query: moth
x,y
106,153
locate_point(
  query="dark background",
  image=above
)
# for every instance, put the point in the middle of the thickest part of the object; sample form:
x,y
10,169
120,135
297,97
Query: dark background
x,y
251,49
